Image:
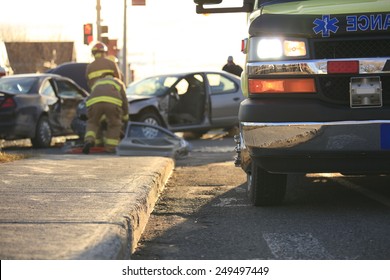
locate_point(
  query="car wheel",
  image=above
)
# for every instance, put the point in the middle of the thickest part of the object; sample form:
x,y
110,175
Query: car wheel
x,y
150,118
264,188
43,134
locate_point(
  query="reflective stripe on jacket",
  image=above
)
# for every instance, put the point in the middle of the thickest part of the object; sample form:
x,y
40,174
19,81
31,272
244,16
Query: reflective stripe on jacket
x,y
107,99
109,90
107,82
99,73
99,67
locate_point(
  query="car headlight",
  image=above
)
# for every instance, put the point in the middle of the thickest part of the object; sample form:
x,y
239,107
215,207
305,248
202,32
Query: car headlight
x,y
277,48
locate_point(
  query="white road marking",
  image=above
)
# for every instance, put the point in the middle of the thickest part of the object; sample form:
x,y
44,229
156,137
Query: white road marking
x,y
296,246
229,202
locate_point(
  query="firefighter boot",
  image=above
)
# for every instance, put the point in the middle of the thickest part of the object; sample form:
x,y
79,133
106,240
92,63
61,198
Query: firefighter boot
x,y
87,147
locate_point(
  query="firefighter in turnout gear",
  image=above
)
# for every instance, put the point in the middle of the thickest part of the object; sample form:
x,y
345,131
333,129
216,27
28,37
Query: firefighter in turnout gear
x,y
101,65
107,100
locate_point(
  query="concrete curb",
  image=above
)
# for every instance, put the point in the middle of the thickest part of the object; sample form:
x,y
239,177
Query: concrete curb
x,y
122,241
78,207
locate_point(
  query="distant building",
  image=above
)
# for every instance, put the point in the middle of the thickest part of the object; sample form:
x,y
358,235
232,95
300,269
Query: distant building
x,y
32,57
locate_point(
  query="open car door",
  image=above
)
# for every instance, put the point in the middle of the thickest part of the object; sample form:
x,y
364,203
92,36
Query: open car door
x,y
142,139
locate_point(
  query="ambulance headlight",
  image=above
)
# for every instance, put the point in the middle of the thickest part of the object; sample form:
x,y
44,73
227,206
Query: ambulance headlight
x,y
269,48
277,48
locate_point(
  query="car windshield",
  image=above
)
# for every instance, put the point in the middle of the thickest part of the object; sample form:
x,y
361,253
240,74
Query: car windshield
x,y
17,85
152,86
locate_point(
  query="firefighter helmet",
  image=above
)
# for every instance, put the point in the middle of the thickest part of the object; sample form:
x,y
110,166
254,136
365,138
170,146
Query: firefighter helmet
x,y
99,47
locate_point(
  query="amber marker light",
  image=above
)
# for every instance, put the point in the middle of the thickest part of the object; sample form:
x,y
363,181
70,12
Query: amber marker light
x,y
294,48
257,86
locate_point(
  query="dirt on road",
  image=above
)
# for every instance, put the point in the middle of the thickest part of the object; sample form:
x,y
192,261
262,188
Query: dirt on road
x,y
179,213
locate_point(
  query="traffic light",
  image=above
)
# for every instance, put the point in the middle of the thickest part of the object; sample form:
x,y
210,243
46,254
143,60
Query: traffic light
x,y
88,33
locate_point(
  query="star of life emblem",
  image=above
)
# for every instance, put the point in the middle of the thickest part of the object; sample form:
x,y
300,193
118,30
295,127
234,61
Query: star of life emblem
x,y
326,25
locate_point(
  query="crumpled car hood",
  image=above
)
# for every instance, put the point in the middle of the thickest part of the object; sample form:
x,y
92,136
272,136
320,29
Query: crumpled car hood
x,y
132,98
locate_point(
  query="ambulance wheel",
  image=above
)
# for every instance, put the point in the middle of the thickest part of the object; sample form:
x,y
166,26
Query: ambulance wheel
x,y
264,188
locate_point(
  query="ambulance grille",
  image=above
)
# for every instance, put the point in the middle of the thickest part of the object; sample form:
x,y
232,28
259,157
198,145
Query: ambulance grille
x,y
351,48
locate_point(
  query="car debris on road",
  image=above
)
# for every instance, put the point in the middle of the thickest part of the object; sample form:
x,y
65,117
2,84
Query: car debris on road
x,y
140,139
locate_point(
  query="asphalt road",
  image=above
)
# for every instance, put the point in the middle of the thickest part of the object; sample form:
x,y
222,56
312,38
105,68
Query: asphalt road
x,y
204,214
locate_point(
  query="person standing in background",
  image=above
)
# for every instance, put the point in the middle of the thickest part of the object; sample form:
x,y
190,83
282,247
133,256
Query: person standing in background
x,y
232,68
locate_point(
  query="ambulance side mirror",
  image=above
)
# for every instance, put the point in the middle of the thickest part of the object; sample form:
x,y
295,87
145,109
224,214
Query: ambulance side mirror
x,y
207,2
247,7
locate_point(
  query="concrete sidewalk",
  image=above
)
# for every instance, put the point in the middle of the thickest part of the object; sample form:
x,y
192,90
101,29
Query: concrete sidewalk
x,y
77,206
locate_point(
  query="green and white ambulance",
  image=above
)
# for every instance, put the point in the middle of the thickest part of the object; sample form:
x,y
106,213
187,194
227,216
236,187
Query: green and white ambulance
x,y
317,82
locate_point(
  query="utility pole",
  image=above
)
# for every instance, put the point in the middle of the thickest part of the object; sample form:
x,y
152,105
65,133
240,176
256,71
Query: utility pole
x,y
98,20
124,49
125,69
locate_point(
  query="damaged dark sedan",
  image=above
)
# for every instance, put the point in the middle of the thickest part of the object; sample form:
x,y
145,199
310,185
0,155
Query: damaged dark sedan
x,y
38,106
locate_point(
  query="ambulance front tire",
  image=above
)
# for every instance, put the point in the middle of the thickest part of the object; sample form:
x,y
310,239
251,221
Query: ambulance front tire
x,y
264,188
